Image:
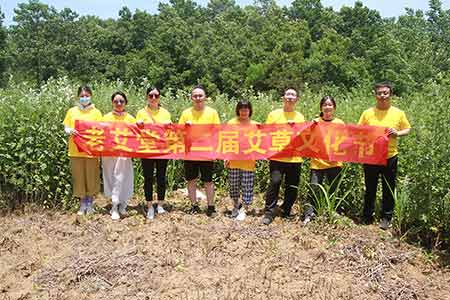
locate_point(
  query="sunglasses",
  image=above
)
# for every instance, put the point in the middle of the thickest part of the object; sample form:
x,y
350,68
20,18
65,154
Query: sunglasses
x,y
119,101
153,96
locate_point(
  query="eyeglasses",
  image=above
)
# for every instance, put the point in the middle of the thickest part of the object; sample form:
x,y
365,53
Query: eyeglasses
x,y
119,101
153,96
198,96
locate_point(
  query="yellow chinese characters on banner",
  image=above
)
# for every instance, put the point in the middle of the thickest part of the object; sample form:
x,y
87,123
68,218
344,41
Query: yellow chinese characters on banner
x,y
334,142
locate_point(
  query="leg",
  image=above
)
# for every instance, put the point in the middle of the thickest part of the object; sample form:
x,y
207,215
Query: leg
x,y
148,166
371,173
248,178
276,176
292,181
333,176
235,186
206,175
316,177
78,180
388,183
191,173
161,182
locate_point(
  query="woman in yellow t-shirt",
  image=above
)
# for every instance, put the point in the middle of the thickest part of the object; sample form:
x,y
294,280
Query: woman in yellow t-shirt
x,y
242,172
85,169
154,113
118,177
323,170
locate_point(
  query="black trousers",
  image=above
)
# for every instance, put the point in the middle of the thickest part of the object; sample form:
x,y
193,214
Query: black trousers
x,y
148,168
319,176
291,173
388,177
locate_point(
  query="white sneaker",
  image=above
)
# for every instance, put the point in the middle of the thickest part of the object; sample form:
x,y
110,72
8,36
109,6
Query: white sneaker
x,y
82,209
90,206
234,212
151,213
123,209
241,215
160,210
115,213
306,220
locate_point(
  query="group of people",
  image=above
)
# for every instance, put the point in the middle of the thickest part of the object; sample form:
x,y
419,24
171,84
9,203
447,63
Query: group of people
x,y
118,171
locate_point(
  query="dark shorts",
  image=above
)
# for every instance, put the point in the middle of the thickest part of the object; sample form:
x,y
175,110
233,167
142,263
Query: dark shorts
x,y
192,168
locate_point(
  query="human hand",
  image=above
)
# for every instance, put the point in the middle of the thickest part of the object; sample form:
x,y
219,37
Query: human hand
x,y
392,132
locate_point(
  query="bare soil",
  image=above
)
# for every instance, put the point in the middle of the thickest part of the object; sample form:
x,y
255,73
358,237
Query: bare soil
x,y
57,255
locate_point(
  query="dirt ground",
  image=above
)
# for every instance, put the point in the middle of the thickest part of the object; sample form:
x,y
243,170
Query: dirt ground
x,y
56,255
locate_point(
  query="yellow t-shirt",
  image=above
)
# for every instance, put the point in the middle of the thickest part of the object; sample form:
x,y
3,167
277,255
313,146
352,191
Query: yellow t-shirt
x,y
279,116
246,165
125,118
73,114
321,164
391,118
160,116
206,116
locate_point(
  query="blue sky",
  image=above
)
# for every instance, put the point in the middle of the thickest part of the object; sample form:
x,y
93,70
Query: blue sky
x,y
110,8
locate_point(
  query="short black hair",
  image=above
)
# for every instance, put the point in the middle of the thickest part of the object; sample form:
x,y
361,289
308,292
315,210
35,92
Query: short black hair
x,y
289,88
151,89
199,86
84,88
382,84
244,104
121,94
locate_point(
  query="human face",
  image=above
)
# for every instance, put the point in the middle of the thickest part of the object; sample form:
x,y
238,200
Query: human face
x,y
290,98
244,114
119,103
383,96
153,98
198,99
328,109
85,98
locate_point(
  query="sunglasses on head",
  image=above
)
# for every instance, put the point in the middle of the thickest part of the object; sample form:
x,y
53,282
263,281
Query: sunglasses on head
x,y
153,96
119,101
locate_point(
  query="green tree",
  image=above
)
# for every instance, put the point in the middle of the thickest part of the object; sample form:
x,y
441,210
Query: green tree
x,y
3,49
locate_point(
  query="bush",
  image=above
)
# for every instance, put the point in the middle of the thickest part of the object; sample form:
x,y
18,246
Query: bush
x,y
34,164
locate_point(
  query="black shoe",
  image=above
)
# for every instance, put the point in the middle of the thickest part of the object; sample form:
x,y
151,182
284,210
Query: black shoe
x,y
367,220
211,211
267,219
385,224
286,215
194,210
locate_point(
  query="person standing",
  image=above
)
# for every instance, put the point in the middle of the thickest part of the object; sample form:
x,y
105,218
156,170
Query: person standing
x,y
289,167
199,113
118,177
153,113
385,115
241,173
323,170
85,169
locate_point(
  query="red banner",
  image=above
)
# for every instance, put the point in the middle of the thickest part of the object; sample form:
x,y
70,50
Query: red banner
x,y
329,141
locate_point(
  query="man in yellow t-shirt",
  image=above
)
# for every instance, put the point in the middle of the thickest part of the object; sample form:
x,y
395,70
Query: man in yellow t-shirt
x,y
199,113
288,167
383,114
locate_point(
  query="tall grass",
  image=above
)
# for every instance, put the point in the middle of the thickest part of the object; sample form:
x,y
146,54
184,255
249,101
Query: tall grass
x,y
34,163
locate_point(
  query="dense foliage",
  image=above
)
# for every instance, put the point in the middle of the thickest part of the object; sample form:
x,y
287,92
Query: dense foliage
x,y
230,48
34,163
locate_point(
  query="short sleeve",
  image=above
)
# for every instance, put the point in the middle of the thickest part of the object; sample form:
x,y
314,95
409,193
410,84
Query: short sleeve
x,y
68,120
404,123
